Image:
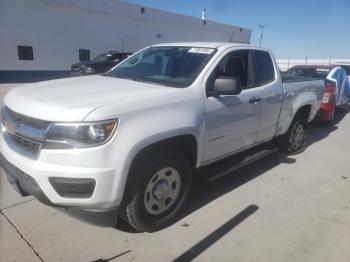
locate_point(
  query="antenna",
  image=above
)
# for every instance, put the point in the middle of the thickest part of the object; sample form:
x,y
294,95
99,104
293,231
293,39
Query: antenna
x,y
262,27
204,14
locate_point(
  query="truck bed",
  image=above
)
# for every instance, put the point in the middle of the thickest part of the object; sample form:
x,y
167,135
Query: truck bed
x,y
293,87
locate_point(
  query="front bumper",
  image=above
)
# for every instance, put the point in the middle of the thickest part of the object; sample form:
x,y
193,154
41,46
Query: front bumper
x,y
22,183
103,165
25,185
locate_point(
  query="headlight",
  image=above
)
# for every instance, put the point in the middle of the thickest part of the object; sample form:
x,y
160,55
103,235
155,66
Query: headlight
x,y
88,69
79,135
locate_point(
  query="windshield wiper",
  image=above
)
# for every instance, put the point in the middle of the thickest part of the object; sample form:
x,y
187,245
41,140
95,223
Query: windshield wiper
x,y
141,80
137,79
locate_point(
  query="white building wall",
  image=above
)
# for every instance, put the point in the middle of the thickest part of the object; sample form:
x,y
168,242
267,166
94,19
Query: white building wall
x,y
57,29
285,64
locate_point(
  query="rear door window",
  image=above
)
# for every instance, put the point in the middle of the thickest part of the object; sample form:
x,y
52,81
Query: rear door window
x,y
264,71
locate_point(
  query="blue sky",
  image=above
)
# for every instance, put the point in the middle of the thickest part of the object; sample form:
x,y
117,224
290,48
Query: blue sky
x,y
296,28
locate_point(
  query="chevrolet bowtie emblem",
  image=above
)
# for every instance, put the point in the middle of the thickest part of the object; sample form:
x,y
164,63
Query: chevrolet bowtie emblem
x,y
11,126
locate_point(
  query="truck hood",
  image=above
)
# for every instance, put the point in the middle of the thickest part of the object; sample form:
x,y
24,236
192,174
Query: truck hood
x,y
72,99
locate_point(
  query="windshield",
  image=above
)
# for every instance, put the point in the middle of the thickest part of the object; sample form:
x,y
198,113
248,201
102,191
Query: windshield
x,y
170,66
103,57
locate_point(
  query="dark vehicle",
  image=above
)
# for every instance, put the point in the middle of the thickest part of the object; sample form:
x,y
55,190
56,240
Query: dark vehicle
x,y
100,64
314,71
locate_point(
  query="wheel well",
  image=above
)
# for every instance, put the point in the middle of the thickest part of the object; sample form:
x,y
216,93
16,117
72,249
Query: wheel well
x,y
185,144
304,112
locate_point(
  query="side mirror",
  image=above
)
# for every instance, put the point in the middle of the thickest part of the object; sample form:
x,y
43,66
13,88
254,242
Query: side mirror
x,y
225,85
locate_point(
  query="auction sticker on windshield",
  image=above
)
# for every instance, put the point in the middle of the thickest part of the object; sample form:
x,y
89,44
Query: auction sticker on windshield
x,y
201,50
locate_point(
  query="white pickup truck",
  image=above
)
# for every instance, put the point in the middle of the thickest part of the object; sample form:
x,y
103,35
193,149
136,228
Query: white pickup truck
x,y
127,143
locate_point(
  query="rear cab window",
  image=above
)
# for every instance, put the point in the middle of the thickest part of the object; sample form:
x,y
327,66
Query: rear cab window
x,y
264,70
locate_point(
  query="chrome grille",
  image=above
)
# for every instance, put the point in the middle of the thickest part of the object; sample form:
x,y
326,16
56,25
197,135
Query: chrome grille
x,y
36,123
31,146
27,133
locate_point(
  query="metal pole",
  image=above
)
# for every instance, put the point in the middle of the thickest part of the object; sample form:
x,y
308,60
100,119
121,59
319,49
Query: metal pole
x,y
262,32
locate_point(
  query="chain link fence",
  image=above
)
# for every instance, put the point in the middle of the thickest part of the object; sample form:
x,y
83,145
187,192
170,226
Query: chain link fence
x,y
285,64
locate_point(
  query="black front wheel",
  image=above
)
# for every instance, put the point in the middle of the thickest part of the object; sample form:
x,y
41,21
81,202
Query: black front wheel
x,y
166,181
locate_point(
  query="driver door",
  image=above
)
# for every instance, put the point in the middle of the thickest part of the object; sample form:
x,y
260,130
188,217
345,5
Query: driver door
x,y
232,120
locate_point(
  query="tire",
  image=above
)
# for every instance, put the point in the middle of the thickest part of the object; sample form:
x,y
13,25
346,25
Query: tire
x,y
162,192
346,108
294,141
316,121
343,108
330,122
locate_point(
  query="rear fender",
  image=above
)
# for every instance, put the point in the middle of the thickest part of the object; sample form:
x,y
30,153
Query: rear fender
x,y
292,104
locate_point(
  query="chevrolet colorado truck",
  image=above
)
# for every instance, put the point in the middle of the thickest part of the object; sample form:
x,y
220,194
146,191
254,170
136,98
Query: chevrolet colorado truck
x,y
126,144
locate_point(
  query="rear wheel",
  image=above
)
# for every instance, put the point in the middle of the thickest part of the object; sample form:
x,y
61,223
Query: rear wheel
x,y
294,141
161,195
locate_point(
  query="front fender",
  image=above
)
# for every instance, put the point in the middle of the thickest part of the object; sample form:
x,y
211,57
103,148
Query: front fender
x,y
133,141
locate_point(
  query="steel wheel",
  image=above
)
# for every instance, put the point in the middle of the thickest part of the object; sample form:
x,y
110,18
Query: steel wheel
x,y
162,191
163,182
298,139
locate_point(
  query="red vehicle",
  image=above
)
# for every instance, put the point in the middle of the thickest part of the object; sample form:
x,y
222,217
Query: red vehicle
x,y
328,105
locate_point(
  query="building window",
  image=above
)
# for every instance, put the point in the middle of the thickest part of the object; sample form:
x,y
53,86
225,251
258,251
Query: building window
x,y
143,10
84,55
25,52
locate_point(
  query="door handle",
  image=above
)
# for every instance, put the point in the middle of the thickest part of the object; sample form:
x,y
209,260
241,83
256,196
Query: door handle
x,y
255,100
